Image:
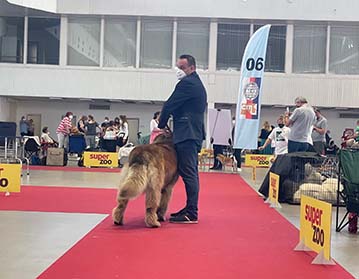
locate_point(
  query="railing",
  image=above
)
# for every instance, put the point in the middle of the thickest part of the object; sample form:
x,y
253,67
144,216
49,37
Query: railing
x,y
12,150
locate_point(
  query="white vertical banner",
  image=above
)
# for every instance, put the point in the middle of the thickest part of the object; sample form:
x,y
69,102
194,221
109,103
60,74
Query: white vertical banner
x,y
250,90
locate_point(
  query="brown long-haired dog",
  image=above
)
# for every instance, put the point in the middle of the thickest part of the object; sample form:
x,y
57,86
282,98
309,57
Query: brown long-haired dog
x,y
151,168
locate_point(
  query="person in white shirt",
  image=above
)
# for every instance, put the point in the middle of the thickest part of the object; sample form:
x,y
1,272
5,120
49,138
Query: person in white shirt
x,y
278,136
122,131
153,126
45,136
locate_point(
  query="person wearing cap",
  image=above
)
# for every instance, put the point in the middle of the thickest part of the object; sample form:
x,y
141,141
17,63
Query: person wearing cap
x,y
320,127
301,123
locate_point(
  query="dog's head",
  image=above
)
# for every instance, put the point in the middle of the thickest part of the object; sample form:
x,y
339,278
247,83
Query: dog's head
x,y
165,137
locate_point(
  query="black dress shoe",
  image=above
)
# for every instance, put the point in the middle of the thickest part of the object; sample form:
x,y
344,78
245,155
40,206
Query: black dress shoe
x,y
184,219
182,211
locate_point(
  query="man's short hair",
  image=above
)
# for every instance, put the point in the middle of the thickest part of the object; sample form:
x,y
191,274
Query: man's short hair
x,y
301,100
190,59
316,109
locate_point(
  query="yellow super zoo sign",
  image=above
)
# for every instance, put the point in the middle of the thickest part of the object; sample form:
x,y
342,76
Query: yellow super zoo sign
x,y
256,160
10,177
101,159
315,225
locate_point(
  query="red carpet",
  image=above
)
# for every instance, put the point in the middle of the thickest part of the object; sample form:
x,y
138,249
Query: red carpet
x,y
60,199
238,237
81,169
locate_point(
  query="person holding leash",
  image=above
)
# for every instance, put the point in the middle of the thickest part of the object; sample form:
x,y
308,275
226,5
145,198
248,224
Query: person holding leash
x,y
187,105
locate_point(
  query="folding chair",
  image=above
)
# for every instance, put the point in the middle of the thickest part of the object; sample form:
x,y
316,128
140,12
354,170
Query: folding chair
x,y
31,148
349,177
77,144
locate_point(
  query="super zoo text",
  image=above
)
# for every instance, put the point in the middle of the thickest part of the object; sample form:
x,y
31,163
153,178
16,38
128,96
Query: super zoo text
x,y
314,216
4,182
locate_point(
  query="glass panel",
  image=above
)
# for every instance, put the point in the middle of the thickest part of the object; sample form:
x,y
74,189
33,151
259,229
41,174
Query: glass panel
x,y
156,44
120,43
344,50
44,41
275,58
193,39
83,42
309,49
231,42
11,39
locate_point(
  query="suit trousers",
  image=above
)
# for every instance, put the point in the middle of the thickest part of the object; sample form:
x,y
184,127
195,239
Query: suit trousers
x,y
187,160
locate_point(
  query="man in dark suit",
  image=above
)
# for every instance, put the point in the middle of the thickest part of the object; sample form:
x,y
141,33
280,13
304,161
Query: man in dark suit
x,y
187,105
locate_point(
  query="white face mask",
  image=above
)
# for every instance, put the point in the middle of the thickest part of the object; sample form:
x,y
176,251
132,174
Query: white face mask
x,y
71,116
180,74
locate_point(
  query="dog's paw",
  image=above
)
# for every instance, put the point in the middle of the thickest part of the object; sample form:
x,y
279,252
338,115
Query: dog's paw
x,y
117,223
153,224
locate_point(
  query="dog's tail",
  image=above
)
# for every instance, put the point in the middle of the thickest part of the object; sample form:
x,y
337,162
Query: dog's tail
x,y
133,181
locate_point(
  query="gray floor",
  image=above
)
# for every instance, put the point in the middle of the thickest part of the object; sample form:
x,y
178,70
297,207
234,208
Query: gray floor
x,y
345,246
32,241
30,244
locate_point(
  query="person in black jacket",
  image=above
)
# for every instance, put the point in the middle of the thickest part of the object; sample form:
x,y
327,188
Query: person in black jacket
x,y
187,105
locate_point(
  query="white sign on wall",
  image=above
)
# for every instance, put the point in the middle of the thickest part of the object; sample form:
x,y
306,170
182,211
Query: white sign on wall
x,y
220,125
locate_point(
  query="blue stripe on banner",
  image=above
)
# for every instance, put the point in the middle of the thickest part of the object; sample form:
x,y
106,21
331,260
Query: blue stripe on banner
x,y
250,90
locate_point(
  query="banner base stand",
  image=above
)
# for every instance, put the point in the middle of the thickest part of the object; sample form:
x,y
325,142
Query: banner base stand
x,y
254,173
301,247
319,259
273,204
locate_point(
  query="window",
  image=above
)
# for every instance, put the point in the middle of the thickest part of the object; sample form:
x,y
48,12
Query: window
x,y
344,50
156,44
11,39
119,43
193,39
44,41
83,42
231,42
309,48
275,58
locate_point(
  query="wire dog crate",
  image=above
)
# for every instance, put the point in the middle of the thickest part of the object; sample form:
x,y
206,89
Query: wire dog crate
x,y
317,178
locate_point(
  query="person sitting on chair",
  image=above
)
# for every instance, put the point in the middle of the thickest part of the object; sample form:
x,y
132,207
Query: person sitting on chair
x,y
45,136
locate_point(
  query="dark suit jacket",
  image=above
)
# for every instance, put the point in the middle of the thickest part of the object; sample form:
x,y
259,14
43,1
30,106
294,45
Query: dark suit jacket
x,y
187,105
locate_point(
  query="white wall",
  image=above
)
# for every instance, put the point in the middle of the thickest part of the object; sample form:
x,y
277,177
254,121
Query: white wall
x,y
251,9
142,84
44,5
323,10
51,112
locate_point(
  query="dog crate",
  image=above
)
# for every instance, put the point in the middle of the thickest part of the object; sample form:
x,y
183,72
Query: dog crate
x,y
317,178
